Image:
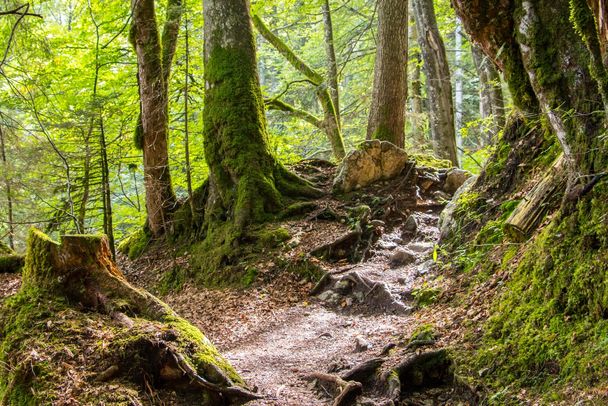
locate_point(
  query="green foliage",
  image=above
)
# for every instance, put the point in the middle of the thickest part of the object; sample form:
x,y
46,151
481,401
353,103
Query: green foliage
x,y
425,296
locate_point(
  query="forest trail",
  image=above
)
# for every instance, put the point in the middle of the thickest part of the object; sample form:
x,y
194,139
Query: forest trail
x,y
284,328
320,337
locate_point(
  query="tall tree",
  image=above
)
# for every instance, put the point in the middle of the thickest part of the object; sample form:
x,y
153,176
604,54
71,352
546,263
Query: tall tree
x,y
332,64
389,96
491,101
438,81
154,58
9,195
246,182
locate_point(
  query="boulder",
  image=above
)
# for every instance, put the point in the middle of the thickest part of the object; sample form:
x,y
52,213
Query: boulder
x,y
455,178
372,161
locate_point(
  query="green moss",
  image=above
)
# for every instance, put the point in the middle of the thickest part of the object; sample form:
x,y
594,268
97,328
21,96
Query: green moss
x,y
425,296
250,276
424,332
202,354
173,280
5,249
549,328
135,244
429,160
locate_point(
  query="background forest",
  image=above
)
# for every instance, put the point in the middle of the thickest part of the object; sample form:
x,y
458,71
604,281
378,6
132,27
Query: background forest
x,y
69,105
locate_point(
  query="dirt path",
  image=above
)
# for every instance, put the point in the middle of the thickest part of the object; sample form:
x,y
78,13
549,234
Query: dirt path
x,y
276,337
301,340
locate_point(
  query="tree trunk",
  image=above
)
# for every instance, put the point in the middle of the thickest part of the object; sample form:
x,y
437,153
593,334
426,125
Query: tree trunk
x,y
9,196
458,87
415,83
246,182
186,121
387,112
439,85
332,64
154,62
491,102
547,65
108,224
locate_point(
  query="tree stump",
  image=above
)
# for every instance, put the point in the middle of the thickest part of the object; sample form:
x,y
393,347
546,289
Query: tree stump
x,y
152,345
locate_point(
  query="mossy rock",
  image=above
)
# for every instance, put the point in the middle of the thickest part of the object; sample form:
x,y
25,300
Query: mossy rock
x,y
134,245
430,161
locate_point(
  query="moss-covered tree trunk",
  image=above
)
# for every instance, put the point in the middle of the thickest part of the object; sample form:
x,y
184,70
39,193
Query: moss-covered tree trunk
x,y
439,86
387,113
246,182
154,56
550,52
151,345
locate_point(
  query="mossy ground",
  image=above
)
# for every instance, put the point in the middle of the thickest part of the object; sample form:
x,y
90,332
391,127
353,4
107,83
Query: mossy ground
x,y
547,329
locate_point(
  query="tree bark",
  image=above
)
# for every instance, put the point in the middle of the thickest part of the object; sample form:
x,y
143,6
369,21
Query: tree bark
x,y
9,195
438,81
546,48
246,182
387,112
491,102
154,63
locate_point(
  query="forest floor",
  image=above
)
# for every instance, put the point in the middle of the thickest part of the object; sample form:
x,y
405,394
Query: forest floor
x,y
277,334
382,299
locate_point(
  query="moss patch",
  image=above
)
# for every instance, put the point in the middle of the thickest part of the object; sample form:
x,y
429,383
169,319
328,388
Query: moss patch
x,y
135,244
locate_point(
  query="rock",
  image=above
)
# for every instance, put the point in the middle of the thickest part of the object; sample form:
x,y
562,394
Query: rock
x,y
372,161
440,196
455,178
422,247
402,257
343,286
411,226
446,218
361,344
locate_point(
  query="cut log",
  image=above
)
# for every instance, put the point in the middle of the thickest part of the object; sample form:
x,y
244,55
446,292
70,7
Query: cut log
x,y
539,201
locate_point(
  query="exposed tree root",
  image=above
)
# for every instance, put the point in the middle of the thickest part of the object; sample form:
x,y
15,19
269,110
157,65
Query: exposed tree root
x,y
346,391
